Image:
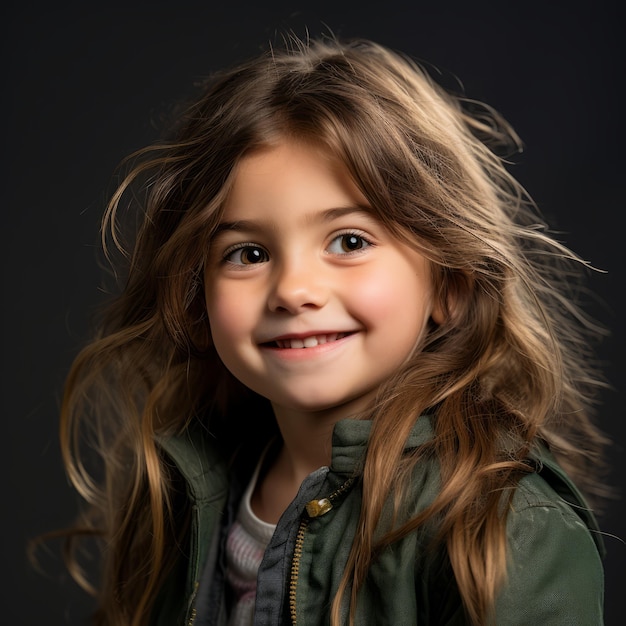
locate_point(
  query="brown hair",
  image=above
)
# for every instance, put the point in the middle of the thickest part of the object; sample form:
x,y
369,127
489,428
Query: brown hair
x,y
507,368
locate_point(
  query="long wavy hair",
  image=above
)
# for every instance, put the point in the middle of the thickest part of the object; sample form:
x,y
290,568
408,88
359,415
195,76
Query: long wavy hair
x,y
510,366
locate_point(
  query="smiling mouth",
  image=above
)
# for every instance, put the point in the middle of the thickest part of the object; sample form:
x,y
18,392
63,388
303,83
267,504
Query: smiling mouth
x,y
306,342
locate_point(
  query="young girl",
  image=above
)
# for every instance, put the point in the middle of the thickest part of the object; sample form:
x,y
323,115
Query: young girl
x,y
344,382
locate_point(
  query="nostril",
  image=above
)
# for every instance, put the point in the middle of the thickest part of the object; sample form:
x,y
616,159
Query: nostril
x,y
280,308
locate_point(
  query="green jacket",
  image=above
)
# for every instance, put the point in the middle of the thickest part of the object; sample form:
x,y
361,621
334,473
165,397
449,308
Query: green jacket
x,y
555,574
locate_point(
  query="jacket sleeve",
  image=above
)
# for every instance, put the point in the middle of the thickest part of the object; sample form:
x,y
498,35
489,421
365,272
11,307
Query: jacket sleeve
x,y
555,572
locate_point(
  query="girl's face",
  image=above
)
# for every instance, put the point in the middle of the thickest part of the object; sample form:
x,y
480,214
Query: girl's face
x,y
312,302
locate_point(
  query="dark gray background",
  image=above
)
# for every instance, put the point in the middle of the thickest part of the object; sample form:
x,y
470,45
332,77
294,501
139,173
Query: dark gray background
x,y
82,84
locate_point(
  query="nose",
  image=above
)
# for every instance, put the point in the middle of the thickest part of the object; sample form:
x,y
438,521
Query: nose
x,y
298,286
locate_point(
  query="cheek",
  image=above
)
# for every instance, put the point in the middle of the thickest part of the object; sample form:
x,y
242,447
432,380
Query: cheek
x,y
396,295
228,319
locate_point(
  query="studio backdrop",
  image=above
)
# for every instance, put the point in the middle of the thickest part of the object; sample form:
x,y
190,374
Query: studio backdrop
x,y
85,84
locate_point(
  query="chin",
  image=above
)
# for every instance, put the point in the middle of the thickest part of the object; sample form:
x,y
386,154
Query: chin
x,y
346,406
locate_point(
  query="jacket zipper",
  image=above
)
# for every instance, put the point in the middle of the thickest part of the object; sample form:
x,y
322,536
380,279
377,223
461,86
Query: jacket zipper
x,y
191,614
314,508
192,617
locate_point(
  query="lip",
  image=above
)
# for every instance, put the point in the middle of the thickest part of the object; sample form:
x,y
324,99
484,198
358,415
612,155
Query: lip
x,y
325,341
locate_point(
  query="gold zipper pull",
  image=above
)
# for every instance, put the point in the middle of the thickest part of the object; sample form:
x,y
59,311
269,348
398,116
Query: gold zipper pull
x,y
316,508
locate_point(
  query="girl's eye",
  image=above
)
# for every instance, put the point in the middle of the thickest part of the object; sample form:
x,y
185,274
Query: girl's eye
x,y
246,254
347,243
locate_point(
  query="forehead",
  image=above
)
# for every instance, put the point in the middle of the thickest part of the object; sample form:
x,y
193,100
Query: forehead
x,y
291,173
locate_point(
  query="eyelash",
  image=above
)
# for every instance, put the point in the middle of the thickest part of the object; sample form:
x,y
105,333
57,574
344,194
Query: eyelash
x,y
242,246
353,233
255,247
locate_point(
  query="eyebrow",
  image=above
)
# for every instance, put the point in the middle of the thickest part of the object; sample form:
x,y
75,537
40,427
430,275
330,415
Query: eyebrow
x,y
325,216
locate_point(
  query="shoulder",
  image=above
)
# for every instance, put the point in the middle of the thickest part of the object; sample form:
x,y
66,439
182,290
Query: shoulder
x,y
549,494
540,517
199,461
555,573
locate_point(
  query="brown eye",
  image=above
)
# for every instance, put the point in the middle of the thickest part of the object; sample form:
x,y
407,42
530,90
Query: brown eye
x,y
352,242
247,255
347,243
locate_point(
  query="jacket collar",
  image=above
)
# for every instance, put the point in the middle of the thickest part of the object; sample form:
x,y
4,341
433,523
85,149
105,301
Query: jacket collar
x,y
198,459
350,439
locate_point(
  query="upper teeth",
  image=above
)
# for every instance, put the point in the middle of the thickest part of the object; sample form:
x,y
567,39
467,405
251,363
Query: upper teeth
x,y
309,342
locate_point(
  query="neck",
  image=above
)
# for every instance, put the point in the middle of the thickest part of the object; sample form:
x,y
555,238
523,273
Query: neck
x,y
307,435
307,446
307,440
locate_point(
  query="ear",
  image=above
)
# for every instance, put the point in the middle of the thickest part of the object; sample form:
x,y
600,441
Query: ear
x,y
438,313
449,300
